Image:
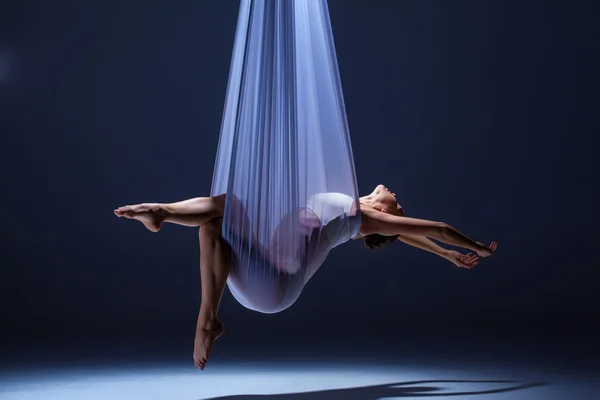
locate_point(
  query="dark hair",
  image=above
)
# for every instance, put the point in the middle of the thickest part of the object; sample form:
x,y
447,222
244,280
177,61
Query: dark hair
x,y
375,240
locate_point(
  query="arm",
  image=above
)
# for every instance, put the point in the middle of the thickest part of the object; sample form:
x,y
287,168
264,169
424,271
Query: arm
x,y
386,224
423,243
456,258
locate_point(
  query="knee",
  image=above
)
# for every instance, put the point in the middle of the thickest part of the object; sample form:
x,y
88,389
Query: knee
x,y
219,203
211,229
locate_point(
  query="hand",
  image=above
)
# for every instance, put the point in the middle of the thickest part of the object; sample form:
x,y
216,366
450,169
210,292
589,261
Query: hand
x,y
486,251
461,260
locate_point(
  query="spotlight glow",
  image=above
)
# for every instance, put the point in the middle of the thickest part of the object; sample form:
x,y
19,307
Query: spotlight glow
x,y
287,382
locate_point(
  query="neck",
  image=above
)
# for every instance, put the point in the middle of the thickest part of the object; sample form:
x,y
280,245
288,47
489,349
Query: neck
x,y
366,200
370,201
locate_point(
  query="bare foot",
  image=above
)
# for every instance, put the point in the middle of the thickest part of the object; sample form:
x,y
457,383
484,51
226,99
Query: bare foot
x,y
205,336
150,214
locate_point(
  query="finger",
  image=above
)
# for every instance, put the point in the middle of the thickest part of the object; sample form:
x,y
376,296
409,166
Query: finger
x,y
474,261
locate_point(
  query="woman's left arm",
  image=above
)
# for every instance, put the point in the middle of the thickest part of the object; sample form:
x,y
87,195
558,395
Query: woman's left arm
x,y
424,243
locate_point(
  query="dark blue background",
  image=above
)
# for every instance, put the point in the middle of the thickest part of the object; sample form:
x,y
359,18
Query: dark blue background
x,y
479,114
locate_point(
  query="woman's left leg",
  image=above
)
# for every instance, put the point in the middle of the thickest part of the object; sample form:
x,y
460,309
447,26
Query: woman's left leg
x,y
193,212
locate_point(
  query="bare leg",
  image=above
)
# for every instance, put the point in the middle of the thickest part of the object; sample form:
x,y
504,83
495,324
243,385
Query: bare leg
x,y
192,212
207,213
214,270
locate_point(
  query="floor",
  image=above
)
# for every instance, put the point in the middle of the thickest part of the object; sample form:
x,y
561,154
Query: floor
x,y
302,380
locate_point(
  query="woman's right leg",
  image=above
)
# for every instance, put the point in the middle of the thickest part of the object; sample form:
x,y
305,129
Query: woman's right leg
x,y
215,265
193,212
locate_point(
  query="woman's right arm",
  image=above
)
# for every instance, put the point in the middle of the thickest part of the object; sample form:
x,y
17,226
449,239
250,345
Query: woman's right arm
x,y
387,224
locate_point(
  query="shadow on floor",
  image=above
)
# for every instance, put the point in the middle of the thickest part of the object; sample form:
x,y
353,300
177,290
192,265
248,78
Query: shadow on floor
x,y
398,389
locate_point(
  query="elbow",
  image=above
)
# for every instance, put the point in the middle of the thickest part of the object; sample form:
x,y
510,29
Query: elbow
x,y
443,230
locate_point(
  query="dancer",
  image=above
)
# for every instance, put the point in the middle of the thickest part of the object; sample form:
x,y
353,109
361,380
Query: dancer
x,y
379,220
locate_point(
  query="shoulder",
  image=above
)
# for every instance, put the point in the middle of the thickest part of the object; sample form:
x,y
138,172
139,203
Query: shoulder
x,y
369,219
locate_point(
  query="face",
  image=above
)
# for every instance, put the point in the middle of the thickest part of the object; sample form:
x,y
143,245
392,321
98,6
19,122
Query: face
x,y
387,198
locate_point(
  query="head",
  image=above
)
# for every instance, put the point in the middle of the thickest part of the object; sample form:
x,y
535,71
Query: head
x,y
383,200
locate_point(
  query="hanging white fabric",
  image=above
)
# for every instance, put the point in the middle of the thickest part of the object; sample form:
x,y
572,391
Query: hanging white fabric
x,y
284,158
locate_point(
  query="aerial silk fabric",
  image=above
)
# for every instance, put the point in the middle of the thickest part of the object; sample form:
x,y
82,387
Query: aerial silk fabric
x,y
284,160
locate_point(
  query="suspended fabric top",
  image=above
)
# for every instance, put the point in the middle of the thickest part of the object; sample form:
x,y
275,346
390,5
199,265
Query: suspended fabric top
x,y
284,158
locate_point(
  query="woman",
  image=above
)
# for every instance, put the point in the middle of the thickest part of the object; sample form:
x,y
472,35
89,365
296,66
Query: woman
x,y
380,221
